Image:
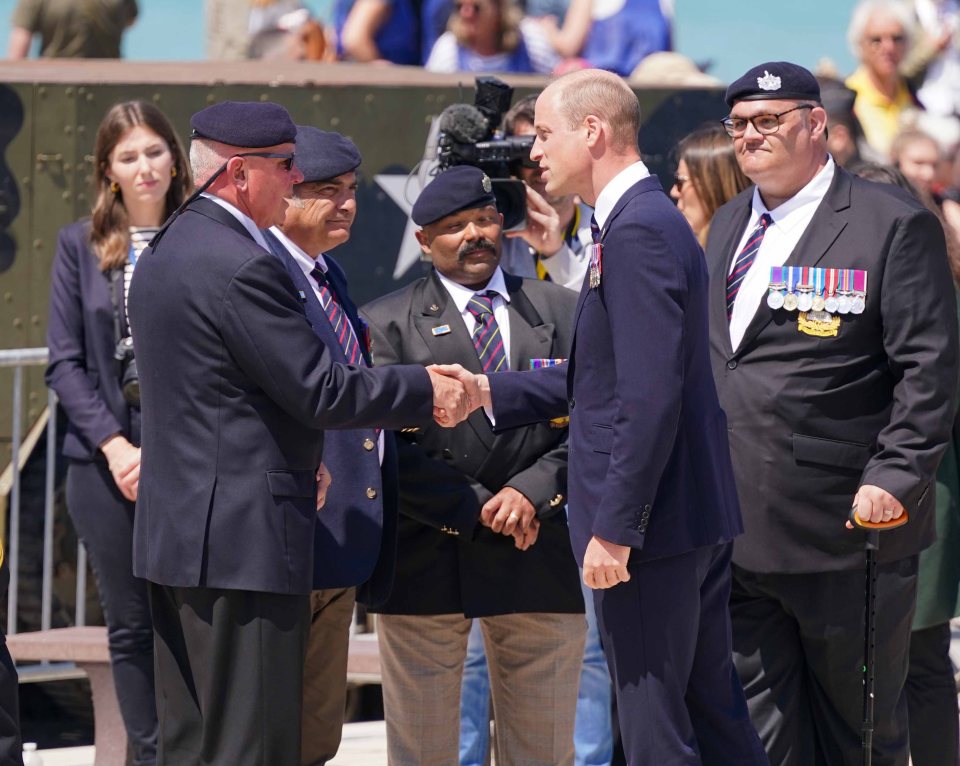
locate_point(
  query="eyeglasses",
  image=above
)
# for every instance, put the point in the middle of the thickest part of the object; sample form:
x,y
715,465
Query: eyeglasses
x,y
679,181
876,40
287,165
764,124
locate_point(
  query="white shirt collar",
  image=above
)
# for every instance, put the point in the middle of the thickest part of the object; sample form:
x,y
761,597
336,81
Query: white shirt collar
x,y
616,188
303,259
246,221
790,213
461,295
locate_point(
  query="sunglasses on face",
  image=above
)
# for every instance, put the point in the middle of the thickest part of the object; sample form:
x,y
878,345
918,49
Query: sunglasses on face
x,y
679,181
287,158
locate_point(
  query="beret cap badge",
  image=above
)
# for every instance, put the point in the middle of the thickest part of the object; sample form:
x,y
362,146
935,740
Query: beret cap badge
x,y
768,81
486,183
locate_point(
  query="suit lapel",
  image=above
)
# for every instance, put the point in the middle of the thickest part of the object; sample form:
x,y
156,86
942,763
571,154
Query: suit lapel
x,y
437,310
316,316
211,209
530,338
820,234
721,267
339,281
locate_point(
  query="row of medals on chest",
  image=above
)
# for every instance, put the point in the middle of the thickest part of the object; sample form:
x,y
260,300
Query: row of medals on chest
x,y
806,296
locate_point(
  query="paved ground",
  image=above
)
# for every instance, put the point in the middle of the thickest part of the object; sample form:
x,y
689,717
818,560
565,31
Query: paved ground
x,y
364,744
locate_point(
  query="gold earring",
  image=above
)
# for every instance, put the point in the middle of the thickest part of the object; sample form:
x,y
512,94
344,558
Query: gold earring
x,y
114,187
173,171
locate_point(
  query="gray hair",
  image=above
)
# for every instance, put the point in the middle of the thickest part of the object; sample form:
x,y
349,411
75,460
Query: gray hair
x,y
206,157
866,9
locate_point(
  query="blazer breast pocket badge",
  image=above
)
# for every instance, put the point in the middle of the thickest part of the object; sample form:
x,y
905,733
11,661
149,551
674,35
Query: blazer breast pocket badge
x,y
821,296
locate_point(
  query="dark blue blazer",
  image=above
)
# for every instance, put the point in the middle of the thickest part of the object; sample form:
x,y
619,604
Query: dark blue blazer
x,y
353,529
236,392
649,460
81,338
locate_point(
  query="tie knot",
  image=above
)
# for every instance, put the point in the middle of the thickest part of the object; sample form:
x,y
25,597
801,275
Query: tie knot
x,y
319,275
594,229
765,220
481,303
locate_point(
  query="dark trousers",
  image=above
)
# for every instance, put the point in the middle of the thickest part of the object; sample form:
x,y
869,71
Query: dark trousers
x,y
932,698
798,645
666,635
104,521
229,676
10,747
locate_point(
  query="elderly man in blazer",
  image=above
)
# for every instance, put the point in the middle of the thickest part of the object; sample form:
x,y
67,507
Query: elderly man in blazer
x,y
833,333
236,389
358,522
482,531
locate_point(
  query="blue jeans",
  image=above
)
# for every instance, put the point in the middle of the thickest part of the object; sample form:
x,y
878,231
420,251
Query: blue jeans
x,y
592,736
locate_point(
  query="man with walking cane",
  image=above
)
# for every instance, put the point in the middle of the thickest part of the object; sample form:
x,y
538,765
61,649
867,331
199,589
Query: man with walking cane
x,y
833,337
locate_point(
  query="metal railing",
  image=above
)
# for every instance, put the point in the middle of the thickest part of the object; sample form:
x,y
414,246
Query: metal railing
x,y
18,359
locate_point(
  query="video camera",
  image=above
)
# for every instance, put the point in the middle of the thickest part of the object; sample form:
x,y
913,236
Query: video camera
x,y
468,135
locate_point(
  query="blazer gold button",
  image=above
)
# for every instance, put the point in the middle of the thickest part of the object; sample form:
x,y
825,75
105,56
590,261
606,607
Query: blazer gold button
x,y
368,444
371,493
556,501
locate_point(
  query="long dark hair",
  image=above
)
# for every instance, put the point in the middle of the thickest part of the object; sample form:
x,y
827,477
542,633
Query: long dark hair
x,y
110,229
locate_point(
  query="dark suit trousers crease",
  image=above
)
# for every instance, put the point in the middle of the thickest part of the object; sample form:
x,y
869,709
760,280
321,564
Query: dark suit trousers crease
x,y
104,522
932,698
325,674
798,646
666,635
229,675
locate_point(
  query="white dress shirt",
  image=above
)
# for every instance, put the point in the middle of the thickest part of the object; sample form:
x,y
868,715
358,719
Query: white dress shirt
x,y
244,219
790,221
617,186
461,297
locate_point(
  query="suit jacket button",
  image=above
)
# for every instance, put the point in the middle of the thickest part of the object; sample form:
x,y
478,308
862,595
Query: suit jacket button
x,y
572,403
732,364
648,508
371,493
369,444
447,454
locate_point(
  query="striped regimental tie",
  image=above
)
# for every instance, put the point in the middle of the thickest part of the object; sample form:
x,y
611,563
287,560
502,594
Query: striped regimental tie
x,y
745,260
338,319
486,335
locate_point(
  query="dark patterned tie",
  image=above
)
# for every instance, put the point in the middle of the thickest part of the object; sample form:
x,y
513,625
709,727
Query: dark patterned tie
x,y
594,230
338,319
745,260
486,335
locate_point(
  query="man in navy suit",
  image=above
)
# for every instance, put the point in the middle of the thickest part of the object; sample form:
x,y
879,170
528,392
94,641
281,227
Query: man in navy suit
x,y
358,520
236,390
653,508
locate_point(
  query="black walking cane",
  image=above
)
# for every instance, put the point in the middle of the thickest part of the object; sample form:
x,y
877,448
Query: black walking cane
x,y
870,621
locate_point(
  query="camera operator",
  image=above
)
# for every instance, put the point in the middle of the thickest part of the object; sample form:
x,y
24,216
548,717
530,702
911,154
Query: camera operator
x,y
553,244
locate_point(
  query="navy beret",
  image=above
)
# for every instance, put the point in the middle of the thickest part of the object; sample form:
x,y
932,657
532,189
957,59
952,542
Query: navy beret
x,y
249,124
458,188
322,155
774,80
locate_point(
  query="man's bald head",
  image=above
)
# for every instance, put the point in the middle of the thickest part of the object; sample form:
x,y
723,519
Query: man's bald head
x,y
603,94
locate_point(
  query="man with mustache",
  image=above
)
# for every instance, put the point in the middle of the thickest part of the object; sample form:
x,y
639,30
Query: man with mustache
x,y
482,531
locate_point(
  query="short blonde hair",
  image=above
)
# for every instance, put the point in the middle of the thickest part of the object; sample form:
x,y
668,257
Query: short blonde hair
x,y
604,95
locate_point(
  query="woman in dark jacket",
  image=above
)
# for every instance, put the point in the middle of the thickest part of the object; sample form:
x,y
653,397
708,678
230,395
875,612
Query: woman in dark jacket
x,y
141,176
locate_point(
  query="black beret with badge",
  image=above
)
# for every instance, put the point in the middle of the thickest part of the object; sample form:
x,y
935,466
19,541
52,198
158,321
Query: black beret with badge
x,y
461,187
774,80
249,124
322,154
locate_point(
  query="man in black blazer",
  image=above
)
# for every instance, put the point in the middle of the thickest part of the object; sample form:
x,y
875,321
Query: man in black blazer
x,y
833,332
482,530
652,503
236,389
358,522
